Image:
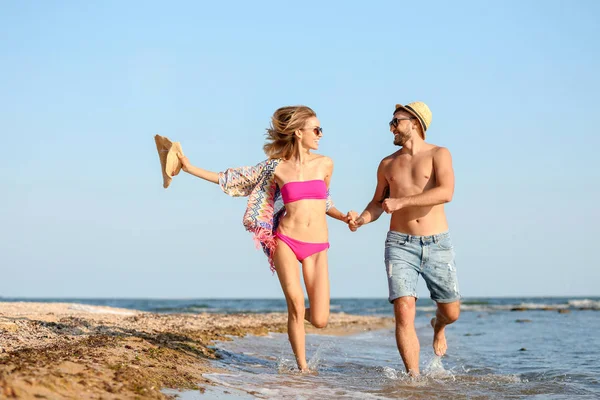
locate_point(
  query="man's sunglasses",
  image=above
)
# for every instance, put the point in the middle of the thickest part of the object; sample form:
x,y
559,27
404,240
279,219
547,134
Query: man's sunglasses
x,y
396,121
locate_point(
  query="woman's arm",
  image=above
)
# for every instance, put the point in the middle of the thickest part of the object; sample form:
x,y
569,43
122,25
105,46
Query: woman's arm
x,y
233,181
337,214
199,172
331,210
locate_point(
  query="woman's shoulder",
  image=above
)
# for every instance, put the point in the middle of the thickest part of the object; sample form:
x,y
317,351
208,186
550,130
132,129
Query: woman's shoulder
x,y
322,159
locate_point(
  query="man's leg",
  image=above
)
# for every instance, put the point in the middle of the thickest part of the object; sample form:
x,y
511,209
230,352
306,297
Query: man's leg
x,y
446,314
406,335
402,261
441,279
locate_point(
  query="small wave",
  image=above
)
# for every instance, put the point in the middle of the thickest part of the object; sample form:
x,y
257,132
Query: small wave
x,y
490,378
188,308
475,302
539,306
483,306
586,304
100,310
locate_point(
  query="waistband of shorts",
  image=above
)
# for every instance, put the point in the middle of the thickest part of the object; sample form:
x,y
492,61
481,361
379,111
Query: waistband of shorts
x,y
418,239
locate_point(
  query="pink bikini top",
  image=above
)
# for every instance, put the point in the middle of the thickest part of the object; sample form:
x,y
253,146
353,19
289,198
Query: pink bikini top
x,y
302,190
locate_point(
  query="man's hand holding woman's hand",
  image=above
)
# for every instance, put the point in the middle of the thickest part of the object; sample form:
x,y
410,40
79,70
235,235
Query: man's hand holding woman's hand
x,y
354,221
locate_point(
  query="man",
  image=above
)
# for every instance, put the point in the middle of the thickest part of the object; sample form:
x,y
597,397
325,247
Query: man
x,y
413,184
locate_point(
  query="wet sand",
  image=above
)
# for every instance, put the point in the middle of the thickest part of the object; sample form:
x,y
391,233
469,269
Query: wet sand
x,y
74,351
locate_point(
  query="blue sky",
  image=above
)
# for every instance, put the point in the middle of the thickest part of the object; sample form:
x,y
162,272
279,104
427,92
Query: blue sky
x,y
513,87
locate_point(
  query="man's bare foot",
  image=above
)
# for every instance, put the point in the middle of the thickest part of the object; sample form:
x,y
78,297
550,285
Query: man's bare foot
x,y
413,373
439,339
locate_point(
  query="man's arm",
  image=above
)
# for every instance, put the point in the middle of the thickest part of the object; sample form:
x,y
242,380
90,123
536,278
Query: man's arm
x,y
374,209
440,194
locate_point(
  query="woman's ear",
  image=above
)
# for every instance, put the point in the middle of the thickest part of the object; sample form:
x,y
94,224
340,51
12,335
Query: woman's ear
x,y
298,134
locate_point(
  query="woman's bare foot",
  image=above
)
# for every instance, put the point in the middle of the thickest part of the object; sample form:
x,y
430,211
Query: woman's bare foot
x,y
439,339
308,371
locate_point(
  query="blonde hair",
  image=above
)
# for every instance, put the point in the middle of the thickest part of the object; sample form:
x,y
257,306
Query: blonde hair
x,y
281,141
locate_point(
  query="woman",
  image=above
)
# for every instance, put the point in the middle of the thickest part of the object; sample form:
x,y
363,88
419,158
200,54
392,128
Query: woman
x,y
296,232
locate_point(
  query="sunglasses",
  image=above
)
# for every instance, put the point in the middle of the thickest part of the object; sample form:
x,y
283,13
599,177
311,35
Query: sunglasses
x,y
396,121
318,130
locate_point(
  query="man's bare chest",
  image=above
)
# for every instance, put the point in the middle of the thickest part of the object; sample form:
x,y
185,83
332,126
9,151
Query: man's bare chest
x,y
410,172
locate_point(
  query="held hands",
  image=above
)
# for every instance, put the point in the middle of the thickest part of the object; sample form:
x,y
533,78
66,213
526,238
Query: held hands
x,y
350,217
354,221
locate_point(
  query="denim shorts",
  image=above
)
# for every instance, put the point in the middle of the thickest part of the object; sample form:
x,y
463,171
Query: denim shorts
x,y
407,256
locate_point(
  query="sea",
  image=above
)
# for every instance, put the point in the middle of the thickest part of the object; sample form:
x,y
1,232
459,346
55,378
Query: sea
x,y
500,348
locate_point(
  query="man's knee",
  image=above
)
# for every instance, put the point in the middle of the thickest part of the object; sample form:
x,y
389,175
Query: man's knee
x,y
450,314
453,315
404,310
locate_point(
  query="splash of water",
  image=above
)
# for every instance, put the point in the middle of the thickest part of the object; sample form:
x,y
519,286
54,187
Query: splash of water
x,y
287,366
435,369
315,360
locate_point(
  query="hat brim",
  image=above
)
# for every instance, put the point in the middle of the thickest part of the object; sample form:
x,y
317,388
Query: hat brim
x,y
411,112
168,153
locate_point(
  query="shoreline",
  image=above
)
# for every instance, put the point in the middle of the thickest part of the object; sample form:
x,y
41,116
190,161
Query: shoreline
x,y
70,350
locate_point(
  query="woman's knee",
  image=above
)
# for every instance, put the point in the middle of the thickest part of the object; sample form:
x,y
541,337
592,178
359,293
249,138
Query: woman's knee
x,y
319,320
296,307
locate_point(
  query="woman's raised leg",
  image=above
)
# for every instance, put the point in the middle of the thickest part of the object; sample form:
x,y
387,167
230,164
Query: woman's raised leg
x,y
316,280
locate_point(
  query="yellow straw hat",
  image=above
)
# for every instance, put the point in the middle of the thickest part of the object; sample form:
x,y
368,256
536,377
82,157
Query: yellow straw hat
x,y
419,110
169,161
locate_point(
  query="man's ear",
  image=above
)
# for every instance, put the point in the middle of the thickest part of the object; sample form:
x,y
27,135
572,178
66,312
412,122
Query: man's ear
x,y
417,127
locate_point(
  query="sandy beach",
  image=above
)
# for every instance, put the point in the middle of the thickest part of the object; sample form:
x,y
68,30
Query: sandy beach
x,y
74,351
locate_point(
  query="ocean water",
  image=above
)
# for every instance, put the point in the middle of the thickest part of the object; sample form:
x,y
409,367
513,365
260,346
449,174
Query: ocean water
x,y
513,348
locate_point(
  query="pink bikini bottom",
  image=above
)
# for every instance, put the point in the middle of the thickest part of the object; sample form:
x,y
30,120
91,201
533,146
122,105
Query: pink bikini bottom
x,y
302,249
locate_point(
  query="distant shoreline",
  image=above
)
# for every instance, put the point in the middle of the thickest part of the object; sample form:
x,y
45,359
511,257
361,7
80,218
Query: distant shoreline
x,y
60,350
353,306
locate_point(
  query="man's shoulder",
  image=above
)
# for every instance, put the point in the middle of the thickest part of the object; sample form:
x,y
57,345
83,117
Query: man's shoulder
x,y
436,149
390,158
440,151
